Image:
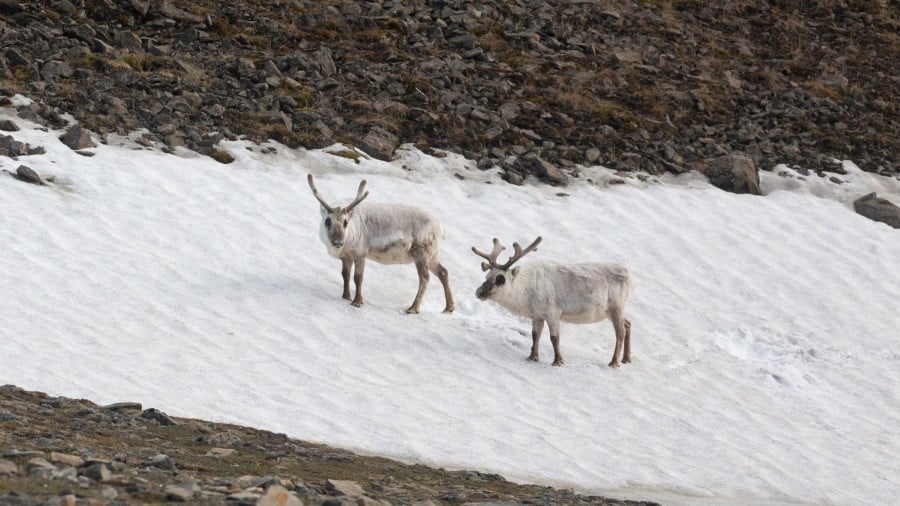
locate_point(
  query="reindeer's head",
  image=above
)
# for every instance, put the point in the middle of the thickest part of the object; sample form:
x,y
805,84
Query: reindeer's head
x,y
336,219
499,276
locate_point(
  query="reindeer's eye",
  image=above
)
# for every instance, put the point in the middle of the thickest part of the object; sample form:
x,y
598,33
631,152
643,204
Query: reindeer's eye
x,y
345,222
328,222
499,280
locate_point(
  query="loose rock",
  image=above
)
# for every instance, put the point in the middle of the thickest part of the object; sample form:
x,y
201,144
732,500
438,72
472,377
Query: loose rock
x,y
878,209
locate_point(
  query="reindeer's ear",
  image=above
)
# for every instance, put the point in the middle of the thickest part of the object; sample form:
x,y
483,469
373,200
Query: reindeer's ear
x,y
485,266
514,271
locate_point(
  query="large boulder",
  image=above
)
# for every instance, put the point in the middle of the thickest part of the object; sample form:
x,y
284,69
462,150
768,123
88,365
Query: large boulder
x,y
733,173
77,138
544,170
379,143
878,209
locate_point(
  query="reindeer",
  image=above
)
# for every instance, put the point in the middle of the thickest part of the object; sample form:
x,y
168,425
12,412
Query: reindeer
x,y
551,292
386,233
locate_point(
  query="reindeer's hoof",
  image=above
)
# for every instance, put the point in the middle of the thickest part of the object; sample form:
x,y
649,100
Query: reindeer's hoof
x,y
449,309
532,358
345,296
558,362
356,303
412,310
614,365
626,360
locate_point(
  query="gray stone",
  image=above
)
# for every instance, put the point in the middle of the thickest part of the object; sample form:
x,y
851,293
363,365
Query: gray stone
x,y
836,81
66,473
245,497
64,7
252,482
23,454
77,138
28,175
276,495
13,147
344,487
142,7
379,143
129,41
368,501
15,58
63,458
8,468
159,416
219,452
97,472
38,462
544,170
40,468
8,125
169,10
878,209
733,173
182,492
161,461
276,118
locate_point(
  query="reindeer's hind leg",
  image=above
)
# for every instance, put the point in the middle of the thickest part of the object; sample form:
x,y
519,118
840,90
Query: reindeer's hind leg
x,y
626,354
553,324
441,272
618,321
537,328
422,269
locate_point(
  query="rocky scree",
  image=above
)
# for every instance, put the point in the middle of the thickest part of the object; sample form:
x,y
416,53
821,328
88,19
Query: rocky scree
x,y
536,88
56,450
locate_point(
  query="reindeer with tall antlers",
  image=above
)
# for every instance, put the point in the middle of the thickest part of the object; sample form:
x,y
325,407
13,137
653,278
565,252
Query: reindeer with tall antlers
x,y
386,233
551,292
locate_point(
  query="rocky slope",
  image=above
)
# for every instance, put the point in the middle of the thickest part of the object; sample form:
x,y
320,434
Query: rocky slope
x,y
55,450
535,87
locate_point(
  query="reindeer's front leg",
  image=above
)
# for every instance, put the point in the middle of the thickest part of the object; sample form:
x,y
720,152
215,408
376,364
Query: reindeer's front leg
x,y
537,328
422,270
359,270
554,340
346,267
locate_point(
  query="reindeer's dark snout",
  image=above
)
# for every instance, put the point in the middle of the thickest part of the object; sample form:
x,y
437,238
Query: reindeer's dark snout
x,y
337,242
484,290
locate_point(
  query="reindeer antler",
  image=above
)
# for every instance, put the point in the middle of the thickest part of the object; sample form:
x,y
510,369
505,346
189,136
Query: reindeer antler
x,y
519,253
359,195
492,258
312,185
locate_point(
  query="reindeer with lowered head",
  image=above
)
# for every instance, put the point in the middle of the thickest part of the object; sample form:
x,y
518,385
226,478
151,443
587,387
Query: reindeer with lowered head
x,y
551,292
386,233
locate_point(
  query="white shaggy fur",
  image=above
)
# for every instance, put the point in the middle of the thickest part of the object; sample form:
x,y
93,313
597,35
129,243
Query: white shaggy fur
x,y
386,233
552,292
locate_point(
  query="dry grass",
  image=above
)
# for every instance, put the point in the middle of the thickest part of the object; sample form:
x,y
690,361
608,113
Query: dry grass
x,y
144,62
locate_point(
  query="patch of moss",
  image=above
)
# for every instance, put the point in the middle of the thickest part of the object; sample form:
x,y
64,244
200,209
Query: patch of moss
x,y
819,89
34,486
306,97
346,153
143,62
21,74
